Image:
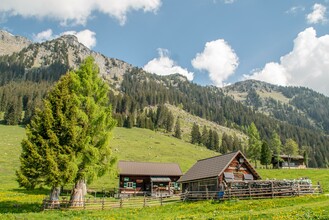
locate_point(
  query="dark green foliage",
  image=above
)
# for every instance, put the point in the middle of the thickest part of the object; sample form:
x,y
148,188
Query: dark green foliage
x,y
254,144
195,134
253,99
13,112
178,131
266,154
204,136
68,140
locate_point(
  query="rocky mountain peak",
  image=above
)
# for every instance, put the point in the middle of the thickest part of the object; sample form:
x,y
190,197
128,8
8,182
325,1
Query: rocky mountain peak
x,y
10,44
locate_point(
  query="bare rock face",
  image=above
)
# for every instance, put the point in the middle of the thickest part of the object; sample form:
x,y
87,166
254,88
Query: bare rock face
x,y
66,50
10,43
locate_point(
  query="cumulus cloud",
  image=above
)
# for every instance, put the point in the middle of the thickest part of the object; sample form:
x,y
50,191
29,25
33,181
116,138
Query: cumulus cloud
x,y
44,36
306,65
318,15
164,65
86,37
76,12
218,59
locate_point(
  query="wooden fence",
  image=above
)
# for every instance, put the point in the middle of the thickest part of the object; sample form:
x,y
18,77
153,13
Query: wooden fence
x,y
110,203
234,190
263,189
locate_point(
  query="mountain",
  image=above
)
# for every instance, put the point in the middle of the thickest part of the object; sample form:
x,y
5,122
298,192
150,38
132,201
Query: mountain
x,y
141,99
10,44
297,105
54,57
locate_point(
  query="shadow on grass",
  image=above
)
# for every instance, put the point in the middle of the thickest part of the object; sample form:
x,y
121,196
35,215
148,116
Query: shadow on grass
x,y
19,207
32,191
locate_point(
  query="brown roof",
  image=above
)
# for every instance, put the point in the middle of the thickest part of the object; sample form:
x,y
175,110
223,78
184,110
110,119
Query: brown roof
x,y
149,168
213,167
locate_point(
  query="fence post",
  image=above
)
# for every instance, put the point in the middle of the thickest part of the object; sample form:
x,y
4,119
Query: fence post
x,y
121,202
103,203
84,204
249,190
298,189
144,204
161,199
320,189
272,189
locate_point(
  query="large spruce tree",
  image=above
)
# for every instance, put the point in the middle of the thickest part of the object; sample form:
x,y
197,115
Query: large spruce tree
x,y
68,142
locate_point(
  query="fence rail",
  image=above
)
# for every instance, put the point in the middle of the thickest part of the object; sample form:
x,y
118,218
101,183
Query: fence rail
x,y
240,190
110,203
250,191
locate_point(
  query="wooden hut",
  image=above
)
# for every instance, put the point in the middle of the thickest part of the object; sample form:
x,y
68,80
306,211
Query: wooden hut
x,y
288,161
213,174
156,179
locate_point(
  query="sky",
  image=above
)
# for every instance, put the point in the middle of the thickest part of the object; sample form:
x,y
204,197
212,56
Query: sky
x,y
211,42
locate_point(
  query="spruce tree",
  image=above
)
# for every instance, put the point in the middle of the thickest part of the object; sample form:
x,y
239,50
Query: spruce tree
x,y
68,142
266,154
178,131
195,134
204,136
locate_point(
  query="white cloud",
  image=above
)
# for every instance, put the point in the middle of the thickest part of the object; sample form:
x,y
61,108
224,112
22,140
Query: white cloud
x,y
164,65
318,15
229,1
218,59
43,36
76,12
295,9
306,65
86,37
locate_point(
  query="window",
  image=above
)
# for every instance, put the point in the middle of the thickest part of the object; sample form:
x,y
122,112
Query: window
x,y
129,185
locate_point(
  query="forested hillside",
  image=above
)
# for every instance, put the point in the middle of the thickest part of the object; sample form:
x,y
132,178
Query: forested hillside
x,y
138,99
297,105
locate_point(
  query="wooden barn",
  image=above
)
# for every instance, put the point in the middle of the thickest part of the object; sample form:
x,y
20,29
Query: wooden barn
x,y
213,174
288,161
155,179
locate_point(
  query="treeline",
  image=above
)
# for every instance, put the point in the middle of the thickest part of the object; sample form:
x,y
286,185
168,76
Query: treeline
x,y
140,93
18,100
141,90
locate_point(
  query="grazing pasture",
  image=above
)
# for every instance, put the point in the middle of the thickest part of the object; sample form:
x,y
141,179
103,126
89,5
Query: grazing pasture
x,y
144,145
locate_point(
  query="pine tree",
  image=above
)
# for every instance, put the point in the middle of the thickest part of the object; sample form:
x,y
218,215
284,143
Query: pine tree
x,y
216,141
195,134
178,131
68,142
254,142
204,136
266,154
276,146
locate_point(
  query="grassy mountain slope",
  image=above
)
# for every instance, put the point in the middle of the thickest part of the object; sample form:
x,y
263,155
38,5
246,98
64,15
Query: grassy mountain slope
x,y
127,144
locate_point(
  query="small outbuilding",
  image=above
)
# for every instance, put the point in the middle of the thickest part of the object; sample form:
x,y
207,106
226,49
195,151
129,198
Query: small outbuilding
x,y
288,161
150,178
213,174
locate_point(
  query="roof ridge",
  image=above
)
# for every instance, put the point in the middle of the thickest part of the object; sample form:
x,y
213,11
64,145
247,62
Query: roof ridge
x,y
233,152
148,162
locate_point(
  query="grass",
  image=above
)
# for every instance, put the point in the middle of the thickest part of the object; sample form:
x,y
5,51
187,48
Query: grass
x,y
144,145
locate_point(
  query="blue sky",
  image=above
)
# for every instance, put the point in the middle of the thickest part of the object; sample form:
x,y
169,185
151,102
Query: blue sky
x,y
214,42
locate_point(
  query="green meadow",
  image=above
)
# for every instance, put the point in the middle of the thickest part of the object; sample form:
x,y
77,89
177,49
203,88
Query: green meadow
x,y
145,145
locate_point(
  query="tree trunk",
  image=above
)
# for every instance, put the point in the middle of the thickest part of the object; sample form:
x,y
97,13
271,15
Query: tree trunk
x,y
53,202
78,193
